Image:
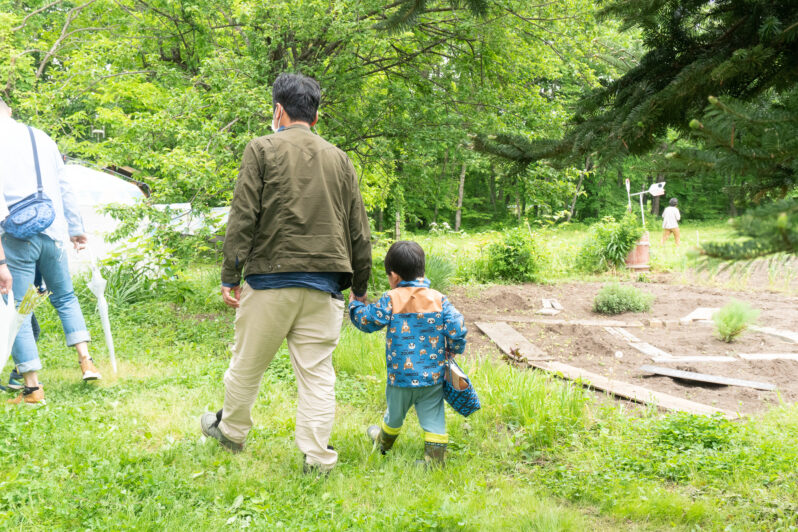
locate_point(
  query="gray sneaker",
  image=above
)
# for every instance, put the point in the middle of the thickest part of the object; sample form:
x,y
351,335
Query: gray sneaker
x,y
210,428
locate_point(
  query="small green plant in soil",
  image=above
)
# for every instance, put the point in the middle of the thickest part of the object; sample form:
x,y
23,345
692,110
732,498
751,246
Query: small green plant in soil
x,y
733,319
616,298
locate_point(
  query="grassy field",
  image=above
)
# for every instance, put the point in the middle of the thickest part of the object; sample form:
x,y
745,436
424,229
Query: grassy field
x,y
126,453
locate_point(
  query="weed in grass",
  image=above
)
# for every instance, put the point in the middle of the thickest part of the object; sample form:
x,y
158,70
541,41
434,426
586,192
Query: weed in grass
x,y
615,298
733,319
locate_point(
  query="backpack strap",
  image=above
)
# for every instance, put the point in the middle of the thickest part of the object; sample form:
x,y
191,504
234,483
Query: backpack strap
x,y
40,188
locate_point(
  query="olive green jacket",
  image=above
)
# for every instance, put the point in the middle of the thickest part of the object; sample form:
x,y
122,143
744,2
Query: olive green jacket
x,y
297,208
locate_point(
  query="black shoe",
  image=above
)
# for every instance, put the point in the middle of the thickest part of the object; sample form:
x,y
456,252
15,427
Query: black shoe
x,y
210,428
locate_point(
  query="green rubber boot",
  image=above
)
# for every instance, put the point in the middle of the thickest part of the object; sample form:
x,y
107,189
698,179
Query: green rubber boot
x,y
434,455
379,436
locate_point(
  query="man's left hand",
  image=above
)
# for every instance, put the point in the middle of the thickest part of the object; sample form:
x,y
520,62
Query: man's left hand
x,y
79,241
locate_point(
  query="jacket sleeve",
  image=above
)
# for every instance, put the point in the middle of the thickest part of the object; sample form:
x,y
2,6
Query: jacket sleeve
x,y
68,198
371,318
244,214
454,328
359,237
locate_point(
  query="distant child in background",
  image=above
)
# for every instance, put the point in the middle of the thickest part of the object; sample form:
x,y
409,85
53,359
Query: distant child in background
x,y
670,221
423,329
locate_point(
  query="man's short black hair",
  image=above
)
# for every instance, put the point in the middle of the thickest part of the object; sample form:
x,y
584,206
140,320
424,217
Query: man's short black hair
x,y
299,95
405,259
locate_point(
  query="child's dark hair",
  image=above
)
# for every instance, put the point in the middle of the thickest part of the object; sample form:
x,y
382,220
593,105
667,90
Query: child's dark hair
x,y
405,259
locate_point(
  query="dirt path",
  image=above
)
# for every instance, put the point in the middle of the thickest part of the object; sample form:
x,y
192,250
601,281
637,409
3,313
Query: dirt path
x,y
596,350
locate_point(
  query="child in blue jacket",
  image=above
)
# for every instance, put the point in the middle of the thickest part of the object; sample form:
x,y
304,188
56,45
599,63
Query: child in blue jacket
x,y
423,329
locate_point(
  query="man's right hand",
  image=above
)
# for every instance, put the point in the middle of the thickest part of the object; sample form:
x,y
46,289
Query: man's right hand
x,y
231,296
5,279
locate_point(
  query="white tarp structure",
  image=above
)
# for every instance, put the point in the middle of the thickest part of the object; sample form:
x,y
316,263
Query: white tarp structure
x,y
94,190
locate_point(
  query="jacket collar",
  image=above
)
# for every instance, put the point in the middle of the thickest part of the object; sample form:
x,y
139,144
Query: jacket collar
x,y
421,282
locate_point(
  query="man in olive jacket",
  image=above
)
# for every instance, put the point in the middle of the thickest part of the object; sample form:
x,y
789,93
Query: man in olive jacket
x,y
299,231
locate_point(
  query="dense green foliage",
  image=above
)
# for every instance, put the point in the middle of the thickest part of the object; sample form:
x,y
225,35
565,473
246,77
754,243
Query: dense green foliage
x,y
616,298
608,244
733,319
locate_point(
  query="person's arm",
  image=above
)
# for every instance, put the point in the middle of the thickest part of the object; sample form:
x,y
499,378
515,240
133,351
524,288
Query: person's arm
x,y
77,233
360,238
6,281
242,222
454,329
371,318
678,215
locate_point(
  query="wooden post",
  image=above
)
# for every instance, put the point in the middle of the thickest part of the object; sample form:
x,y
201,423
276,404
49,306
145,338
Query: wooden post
x,y
459,214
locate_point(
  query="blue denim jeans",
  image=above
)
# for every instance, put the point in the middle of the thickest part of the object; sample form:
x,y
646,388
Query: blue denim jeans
x,y
23,257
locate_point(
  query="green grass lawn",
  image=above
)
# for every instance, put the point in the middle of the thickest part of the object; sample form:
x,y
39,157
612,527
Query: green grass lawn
x,y
542,454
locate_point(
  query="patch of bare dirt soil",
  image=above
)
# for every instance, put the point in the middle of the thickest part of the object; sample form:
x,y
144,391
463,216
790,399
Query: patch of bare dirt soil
x,y
594,349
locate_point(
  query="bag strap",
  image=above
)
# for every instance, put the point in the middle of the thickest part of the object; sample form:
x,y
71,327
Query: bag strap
x,y
40,188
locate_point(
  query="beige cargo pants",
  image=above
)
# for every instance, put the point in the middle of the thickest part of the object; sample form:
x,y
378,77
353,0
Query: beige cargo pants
x,y
310,320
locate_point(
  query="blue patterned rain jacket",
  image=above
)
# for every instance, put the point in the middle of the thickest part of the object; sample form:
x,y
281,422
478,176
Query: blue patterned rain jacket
x,y
422,327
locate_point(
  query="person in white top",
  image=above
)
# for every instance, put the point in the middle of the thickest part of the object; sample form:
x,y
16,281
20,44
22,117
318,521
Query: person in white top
x,y
670,221
44,251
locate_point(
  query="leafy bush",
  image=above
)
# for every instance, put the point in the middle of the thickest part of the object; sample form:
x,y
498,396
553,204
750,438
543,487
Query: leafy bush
x,y
616,298
608,243
516,257
733,319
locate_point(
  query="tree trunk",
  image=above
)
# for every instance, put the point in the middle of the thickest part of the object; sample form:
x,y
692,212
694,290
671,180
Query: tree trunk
x,y
438,185
588,168
523,199
398,225
576,195
459,214
379,220
492,187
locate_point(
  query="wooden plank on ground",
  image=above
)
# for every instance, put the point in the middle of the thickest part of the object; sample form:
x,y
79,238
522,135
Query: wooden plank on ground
x,y
789,335
697,358
511,342
769,356
631,391
645,348
555,321
711,379
700,314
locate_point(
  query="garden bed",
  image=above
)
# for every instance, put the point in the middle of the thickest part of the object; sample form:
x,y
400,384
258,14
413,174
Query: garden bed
x,y
594,349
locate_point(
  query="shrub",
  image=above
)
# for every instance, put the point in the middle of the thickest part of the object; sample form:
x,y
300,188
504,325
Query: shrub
x,y
608,243
733,319
440,272
516,257
616,298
